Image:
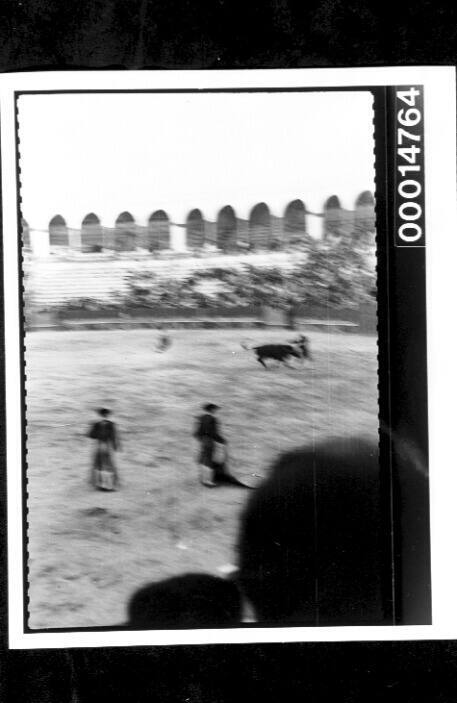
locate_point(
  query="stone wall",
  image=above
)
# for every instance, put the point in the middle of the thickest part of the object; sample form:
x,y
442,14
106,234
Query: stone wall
x,y
261,230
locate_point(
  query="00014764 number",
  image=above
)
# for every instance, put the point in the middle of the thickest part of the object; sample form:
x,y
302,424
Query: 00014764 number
x,y
409,197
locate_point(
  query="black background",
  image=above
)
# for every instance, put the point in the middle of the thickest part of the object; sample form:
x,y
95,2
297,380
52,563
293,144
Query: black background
x,y
97,34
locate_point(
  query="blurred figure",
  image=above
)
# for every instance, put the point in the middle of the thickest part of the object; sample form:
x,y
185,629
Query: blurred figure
x,y
188,601
104,473
302,343
164,343
208,434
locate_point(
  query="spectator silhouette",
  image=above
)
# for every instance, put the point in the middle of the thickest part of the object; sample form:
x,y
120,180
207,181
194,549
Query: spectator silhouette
x,y
314,541
310,543
186,601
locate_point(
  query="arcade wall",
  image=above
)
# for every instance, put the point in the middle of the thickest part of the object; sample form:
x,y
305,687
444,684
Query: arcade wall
x,y
64,264
261,231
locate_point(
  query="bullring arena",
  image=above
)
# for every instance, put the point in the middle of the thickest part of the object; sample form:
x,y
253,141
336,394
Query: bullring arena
x,y
88,551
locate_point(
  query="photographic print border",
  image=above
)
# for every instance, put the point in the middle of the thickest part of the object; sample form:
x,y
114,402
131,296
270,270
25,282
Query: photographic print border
x,y
393,557
400,277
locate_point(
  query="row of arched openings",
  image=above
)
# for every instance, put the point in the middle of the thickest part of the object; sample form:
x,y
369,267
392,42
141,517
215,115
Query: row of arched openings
x,y
261,231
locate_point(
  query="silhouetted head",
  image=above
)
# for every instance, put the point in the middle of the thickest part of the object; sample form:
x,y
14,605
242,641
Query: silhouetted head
x,y
211,407
310,545
104,412
187,601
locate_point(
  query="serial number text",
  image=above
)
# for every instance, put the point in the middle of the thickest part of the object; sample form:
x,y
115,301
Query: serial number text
x,y
409,164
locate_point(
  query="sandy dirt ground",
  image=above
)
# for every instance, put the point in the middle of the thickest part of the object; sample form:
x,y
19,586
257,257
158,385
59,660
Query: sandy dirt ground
x,y
89,550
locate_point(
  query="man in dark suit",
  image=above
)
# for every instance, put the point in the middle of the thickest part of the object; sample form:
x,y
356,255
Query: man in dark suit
x,y
207,433
214,470
104,471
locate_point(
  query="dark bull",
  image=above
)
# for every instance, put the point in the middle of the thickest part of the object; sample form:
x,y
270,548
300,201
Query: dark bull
x,y
276,352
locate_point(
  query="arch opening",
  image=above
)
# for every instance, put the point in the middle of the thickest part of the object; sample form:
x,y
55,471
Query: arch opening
x,y
365,199
58,232
364,218
25,232
260,227
125,232
158,234
295,223
226,232
91,234
333,219
195,229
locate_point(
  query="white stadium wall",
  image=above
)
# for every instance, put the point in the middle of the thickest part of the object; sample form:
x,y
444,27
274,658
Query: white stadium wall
x,y
260,227
70,261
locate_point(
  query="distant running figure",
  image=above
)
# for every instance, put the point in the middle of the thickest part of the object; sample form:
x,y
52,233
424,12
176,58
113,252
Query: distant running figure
x,y
104,472
302,343
164,343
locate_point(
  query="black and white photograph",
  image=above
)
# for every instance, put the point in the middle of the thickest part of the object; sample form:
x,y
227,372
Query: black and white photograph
x,y
208,375
200,310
